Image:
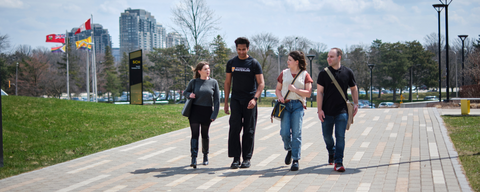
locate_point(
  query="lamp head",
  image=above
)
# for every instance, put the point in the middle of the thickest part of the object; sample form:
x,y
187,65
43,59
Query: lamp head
x,y
371,66
446,2
438,7
310,57
463,37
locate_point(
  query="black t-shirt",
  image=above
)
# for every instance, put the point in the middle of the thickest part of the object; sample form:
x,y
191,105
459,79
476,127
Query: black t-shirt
x,y
243,77
333,102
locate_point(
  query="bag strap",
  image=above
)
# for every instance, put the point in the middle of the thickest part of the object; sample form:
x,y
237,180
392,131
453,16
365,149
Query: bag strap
x,y
286,95
336,83
193,86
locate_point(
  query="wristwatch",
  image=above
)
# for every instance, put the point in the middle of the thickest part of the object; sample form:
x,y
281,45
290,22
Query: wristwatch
x,y
256,98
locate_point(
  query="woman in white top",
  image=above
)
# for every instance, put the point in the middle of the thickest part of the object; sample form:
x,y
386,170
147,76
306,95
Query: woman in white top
x,y
291,124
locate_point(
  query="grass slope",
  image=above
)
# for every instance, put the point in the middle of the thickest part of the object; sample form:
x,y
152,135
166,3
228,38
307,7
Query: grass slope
x,y
39,132
465,134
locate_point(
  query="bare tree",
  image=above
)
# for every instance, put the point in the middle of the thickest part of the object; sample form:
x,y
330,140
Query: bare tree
x,y
32,74
472,67
195,20
4,43
292,43
431,43
264,45
356,59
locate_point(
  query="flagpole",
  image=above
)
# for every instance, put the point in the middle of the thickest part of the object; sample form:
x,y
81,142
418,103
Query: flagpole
x,y
68,82
94,61
88,78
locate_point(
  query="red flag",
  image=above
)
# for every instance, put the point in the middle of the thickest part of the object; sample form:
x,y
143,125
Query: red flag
x,y
56,38
83,27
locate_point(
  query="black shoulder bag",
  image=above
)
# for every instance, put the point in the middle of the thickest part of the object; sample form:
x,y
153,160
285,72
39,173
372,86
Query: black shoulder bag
x,y
277,112
188,104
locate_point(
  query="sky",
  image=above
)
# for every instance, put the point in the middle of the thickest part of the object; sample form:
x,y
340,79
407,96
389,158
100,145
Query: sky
x,y
336,23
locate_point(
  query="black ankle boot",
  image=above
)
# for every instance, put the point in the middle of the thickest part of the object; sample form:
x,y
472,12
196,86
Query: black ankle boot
x,y
205,149
288,158
194,152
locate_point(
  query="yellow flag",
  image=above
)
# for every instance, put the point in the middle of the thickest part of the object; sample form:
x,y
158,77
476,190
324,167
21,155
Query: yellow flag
x,y
84,43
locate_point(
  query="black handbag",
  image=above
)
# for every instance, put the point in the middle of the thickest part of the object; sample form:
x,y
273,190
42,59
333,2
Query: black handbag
x,y
188,104
277,112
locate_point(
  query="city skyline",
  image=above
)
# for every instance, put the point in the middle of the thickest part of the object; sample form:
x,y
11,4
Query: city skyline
x,y
336,24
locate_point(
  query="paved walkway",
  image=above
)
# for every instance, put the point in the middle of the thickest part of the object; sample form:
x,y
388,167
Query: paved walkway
x,y
386,150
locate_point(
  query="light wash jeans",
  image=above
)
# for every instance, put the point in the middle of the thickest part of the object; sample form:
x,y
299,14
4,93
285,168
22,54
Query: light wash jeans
x,y
291,128
340,122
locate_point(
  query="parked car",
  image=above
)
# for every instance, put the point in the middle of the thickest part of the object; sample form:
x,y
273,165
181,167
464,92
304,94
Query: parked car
x,y
268,94
386,104
363,103
430,98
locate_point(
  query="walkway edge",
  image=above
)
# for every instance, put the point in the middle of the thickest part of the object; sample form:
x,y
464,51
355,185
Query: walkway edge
x,y
462,179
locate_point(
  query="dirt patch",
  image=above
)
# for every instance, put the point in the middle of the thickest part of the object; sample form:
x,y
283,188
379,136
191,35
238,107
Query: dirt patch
x,y
452,105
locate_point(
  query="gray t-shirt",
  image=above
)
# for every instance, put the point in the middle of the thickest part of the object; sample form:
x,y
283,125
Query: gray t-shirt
x,y
206,94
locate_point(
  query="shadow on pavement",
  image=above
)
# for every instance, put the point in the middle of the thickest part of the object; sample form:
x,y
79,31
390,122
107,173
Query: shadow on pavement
x,y
323,169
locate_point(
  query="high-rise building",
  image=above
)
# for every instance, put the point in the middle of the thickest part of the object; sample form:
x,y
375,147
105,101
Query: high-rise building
x,y
160,38
139,30
116,55
101,37
174,39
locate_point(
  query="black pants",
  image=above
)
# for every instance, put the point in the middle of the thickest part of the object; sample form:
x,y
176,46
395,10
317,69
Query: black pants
x,y
241,118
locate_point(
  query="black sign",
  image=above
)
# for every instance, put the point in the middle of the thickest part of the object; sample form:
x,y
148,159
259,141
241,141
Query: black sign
x,y
136,77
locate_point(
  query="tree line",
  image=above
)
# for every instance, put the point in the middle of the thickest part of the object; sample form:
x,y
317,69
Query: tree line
x,y
397,65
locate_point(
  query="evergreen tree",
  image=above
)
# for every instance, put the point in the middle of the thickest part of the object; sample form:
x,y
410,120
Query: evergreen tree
x,y
124,73
477,44
73,68
424,68
220,58
393,66
113,82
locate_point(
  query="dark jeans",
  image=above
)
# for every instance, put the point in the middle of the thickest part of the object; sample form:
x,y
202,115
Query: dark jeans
x,y
241,118
336,146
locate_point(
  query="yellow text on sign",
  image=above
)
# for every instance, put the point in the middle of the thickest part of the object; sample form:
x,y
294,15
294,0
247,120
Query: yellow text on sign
x,y
136,62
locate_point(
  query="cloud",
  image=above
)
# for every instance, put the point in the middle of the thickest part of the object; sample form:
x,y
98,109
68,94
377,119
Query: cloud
x,y
11,3
386,5
113,7
456,17
340,6
416,9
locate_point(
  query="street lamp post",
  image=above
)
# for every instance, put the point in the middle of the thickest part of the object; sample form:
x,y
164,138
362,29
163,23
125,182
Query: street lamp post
x,y
463,37
311,57
446,3
371,66
439,8
16,80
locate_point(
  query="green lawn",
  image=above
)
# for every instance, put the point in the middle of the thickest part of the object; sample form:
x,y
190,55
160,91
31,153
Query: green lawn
x,y
39,132
465,134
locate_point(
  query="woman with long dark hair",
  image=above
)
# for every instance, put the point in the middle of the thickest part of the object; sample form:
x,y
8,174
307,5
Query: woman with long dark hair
x,y
205,94
295,102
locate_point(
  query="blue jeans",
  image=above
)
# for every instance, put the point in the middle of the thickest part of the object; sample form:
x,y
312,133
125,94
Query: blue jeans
x,y
291,128
340,122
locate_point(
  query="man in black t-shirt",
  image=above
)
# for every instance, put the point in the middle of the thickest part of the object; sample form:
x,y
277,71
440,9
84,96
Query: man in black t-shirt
x,y
332,108
247,86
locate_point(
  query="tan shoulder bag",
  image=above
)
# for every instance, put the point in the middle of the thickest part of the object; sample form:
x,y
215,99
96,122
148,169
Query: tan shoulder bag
x,y
350,106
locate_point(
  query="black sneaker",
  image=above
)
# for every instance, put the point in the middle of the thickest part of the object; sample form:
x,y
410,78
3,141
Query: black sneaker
x,y
245,164
295,166
330,159
235,164
288,158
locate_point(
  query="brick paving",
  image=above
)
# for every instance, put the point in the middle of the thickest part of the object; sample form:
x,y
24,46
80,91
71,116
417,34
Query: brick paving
x,y
404,149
